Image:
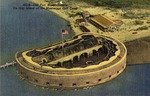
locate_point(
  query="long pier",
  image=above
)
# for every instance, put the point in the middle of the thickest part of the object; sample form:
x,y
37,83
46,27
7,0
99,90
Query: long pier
x,y
8,64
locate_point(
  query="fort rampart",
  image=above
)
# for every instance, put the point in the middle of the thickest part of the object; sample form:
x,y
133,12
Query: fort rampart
x,y
74,77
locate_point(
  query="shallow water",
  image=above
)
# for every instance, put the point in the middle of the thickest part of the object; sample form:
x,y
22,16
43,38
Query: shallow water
x,y
24,29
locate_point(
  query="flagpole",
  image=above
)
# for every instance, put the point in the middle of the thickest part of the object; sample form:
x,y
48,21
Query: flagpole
x,y
62,37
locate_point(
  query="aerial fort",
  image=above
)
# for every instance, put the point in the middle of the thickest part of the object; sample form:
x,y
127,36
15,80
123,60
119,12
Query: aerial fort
x,y
85,60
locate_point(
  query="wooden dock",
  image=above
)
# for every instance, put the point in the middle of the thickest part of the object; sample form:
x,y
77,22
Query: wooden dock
x,y
8,64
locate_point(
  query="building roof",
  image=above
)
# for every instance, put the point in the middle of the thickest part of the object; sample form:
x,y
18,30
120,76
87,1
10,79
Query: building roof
x,y
80,20
103,21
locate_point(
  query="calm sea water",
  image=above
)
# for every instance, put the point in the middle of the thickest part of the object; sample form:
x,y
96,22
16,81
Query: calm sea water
x,y
23,29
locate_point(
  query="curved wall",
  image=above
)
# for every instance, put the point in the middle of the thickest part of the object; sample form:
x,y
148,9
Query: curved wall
x,y
77,80
82,78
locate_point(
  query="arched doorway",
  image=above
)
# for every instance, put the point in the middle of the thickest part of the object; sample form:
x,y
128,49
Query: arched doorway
x,y
82,57
59,64
95,53
86,55
100,51
67,64
104,49
75,59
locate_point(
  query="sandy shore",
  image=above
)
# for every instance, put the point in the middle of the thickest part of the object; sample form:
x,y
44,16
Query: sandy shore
x,y
62,13
125,32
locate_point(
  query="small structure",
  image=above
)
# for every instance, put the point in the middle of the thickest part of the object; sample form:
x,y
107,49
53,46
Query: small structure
x,y
81,22
51,3
104,23
73,8
84,29
86,14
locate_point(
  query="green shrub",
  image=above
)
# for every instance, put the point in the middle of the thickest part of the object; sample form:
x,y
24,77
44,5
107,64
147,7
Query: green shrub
x,y
148,22
133,15
138,22
142,28
119,3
